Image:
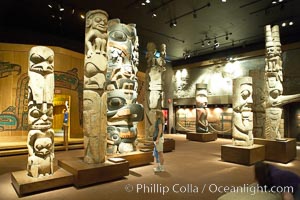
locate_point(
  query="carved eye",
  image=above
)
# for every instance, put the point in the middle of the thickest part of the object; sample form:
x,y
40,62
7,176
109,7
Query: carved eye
x,y
118,36
36,58
39,146
245,94
35,113
50,59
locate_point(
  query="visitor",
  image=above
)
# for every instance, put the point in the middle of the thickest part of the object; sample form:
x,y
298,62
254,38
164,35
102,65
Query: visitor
x,y
275,179
158,142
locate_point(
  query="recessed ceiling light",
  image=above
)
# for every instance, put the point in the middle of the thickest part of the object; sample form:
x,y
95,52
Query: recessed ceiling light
x,y
154,15
147,1
283,24
82,16
223,0
49,5
291,23
143,3
274,2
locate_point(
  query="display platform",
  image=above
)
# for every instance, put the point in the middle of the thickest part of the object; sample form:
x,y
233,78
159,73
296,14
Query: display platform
x,y
243,155
88,174
202,137
282,151
169,145
136,158
25,184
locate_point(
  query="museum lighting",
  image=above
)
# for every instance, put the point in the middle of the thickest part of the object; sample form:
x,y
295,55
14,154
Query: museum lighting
x,y
291,23
147,1
143,4
61,8
283,24
82,16
49,5
154,15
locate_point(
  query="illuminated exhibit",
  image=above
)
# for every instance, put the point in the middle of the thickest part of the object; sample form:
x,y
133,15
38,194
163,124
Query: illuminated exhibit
x,y
84,79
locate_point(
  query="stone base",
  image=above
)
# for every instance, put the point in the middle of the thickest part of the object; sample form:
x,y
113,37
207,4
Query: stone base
x,y
169,145
243,155
202,137
88,174
136,158
279,151
25,184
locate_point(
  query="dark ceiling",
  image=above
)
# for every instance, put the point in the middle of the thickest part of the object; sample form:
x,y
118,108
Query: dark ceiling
x,y
234,24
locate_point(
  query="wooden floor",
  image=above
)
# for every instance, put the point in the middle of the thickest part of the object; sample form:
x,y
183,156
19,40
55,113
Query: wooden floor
x,y
195,168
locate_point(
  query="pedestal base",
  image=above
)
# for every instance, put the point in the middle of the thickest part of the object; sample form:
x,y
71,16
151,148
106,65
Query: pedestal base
x,y
243,155
88,174
202,137
169,145
136,158
25,184
279,151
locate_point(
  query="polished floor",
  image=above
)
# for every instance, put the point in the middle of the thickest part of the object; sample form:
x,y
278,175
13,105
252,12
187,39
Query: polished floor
x,y
194,170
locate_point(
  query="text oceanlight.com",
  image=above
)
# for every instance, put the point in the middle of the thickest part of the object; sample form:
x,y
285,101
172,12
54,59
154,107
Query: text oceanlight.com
x,y
197,189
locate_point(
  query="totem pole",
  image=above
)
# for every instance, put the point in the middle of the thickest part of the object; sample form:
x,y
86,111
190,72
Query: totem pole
x,y
201,105
154,80
274,99
242,112
123,112
94,95
40,140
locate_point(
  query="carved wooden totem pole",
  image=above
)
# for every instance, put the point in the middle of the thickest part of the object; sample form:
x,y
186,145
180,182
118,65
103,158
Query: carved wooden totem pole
x,y
40,140
94,95
154,81
274,90
201,105
123,112
242,113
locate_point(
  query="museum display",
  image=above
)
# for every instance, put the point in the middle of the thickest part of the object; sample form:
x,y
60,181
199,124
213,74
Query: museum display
x,y
242,118
94,95
154,79
40,140
201,105
123,110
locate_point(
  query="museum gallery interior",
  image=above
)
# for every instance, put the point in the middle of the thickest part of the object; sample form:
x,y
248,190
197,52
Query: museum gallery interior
x,y
82,84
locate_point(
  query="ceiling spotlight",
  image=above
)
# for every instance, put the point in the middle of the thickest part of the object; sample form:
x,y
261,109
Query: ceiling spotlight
x,y
291,23
208,42
73,11
202,44
60,8
283,24
49,5
223,0
147,1
216,43
175,23
274,2
280,1
60,18
82,16
154,15
143,3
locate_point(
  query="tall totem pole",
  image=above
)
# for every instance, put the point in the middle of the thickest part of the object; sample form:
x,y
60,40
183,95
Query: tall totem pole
x,y
154,94
242,117
94,95
123,110
201,105
274,99
40,140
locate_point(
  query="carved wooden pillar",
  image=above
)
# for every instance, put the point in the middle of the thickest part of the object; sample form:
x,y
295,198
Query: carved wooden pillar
x,y
94,95
242,112
40,140
201,105
123,112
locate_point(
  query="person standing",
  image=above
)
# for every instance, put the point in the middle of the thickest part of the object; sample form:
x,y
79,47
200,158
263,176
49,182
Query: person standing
x,y
159,141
